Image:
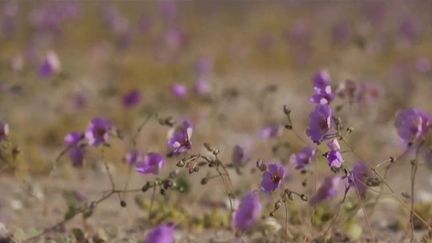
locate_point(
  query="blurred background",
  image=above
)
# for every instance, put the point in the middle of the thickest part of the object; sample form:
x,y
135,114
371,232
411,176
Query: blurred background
x,y
229,66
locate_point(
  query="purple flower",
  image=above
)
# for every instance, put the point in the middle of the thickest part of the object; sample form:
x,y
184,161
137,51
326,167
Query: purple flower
x,y
75,151
175,38
320,123
4,131
76,155
132,98
150,164
134,156
179,138
50,65
423,65
164,233
73,138
357,177
273,177
334,156
323,91
303,158
179,91
269,131
239,156
202,86
204,66
248,212
328,189
98,131
412,124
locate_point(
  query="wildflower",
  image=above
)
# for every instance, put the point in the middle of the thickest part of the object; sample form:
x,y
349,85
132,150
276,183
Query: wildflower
x,y
134,156
412,124
357,177
151,163
271,130
73,138
98,131
303,158
50,65
334,156
179,138
76,155
179,91
328,189
320,123
239,156
131,98
164,233
273,177
75,152
423,65
323,91
175,39
202,86
4,131
248,212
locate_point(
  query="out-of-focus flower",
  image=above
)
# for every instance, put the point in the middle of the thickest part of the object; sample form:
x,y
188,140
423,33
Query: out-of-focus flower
x,y
175,38
423,65
412,124
179,138
334,156
357,177
323,93
163,233
76,155
320,123
179,90
299,35
328,189
132,98
76,152
239,156
341,32
409,30
49,18
98,131
248,212
4,131
273,177
169,11
150,164
204,66
202,86
303,158
73,138
271,130
134,156
50,65
203,69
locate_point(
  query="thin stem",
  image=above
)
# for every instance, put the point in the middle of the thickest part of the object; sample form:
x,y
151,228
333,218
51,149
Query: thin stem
x,y
151,202
414,166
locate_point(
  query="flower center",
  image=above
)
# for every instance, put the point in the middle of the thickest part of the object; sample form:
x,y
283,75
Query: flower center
x,y
276,179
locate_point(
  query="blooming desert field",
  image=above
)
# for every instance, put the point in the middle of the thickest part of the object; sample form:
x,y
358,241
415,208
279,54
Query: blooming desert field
x,y
215,121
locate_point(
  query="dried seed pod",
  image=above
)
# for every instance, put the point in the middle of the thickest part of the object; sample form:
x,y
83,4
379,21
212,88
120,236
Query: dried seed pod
x,y
146,186
304,197
373,181
261,165
181,163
